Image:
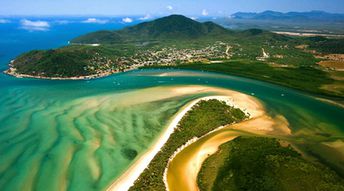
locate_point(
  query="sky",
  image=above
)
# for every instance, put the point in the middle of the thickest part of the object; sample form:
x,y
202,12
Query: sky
x,y
162,7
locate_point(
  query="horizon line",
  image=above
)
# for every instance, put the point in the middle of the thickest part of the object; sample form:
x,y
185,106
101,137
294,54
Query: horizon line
x,y
159,14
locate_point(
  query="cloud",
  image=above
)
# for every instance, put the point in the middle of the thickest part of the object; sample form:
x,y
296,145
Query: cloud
x,y
34,25
169,7
4,21
127,20
205,12
62,22
146,17
95,21
193,18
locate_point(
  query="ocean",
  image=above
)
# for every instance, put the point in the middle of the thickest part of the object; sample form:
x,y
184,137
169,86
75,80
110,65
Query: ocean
x,y
82,135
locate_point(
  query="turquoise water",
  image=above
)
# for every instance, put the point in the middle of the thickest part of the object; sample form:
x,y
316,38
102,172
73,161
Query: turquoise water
x,y
81,135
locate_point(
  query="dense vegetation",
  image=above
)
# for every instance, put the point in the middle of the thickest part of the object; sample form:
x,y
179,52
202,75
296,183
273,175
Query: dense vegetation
x,y
256,163
327,46
304,78
70,61
252,53
174,27
202,118
54,63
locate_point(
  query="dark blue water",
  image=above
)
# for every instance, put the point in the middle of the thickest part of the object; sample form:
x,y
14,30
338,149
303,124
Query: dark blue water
x,y
15,40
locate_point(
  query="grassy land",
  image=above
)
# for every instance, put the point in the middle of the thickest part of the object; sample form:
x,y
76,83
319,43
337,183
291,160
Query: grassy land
x,y
304,78
255,163
202,118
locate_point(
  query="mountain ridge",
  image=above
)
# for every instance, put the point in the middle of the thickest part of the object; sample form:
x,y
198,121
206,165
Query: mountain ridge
x,y
275,15
170,27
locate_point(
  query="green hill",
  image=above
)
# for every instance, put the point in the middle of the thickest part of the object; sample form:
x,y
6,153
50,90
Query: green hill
x,y
177,41
69,61
117,48
174,26
171,27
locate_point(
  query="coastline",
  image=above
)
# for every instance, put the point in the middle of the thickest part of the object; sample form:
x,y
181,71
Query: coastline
x,y
318,96
192,167
126,180
12,72
232,98
184,165
193,173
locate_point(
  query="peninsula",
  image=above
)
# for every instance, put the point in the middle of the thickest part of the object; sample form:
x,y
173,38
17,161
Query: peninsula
x,y
312,64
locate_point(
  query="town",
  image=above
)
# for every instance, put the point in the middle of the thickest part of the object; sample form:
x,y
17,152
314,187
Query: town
x,y
161,56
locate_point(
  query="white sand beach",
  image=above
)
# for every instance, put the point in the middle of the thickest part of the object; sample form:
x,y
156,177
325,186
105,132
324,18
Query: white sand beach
x,y
185,164
236,99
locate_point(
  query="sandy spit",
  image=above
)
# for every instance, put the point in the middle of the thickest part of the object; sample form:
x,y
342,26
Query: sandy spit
x,y
236,99
125,181
185,164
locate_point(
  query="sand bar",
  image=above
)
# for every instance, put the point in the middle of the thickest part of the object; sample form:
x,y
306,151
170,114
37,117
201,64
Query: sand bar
x,y
184,166
236,99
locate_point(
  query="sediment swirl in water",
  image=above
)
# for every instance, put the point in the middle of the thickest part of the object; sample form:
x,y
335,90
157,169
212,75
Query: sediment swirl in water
x,y
80,144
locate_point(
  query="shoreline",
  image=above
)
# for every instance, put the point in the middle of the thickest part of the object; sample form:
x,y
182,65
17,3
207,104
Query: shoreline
x,y
229,102
11,72
194,172
332,99
186,166
194,167
128,178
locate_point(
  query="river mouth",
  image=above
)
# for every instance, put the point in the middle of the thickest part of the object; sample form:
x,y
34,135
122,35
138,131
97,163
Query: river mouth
x,y
92,131
184,166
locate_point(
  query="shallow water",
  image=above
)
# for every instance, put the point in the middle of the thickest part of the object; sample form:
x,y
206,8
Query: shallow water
x,y
81,135
84,134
